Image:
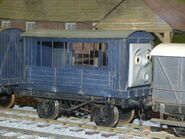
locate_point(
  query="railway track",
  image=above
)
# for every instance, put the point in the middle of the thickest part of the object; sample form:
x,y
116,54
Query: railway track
x,y
16,133
131,130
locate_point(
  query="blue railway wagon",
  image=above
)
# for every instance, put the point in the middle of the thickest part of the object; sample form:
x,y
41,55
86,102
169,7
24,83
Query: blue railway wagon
x,y
11,63
109,70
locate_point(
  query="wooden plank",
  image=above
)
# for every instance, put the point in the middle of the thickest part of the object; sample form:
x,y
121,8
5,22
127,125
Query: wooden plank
x,y
134,15
159,36
57,10
167,37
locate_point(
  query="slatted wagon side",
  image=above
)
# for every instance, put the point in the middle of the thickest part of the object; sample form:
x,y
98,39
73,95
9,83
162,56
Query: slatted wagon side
x,y
11,64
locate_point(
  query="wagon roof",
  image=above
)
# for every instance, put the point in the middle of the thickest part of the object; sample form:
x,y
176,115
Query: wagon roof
x,y
172,11
57,10
77,34
169,49
135,15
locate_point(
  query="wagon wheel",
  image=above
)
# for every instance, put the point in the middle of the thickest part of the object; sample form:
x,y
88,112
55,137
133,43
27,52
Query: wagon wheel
x,y
126,116
48,109
7,101
106,115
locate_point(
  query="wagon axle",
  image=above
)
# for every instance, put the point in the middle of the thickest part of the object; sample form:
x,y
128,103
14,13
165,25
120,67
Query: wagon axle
x,y
103,114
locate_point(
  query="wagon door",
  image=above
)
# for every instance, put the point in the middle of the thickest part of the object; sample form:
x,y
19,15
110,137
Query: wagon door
x,y
11,60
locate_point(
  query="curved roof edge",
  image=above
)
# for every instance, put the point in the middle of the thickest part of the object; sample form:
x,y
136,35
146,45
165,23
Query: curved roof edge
x,y
169,49
4,29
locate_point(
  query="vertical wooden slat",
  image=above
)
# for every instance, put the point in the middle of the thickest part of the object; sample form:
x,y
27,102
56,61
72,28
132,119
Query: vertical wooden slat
x,y
167,37
159,35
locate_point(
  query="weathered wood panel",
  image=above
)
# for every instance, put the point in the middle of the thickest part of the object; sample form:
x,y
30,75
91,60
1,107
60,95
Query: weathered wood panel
x,y
172,11
57,10
134,15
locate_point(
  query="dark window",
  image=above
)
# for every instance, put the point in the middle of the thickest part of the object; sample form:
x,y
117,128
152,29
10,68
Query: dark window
x,y
60,54
46,54
90,54
52,54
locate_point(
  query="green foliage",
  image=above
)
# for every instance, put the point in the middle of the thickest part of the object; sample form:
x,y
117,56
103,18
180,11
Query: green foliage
x,y
1,1
178,38
181,0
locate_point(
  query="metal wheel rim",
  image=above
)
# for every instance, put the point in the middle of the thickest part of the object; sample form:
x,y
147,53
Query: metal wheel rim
x,y
115,119
12,102
52,116
132,113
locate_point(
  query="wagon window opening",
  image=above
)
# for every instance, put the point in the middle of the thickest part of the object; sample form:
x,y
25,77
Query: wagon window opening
x,y
90,54
52,54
